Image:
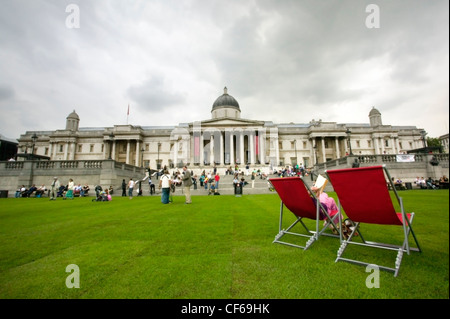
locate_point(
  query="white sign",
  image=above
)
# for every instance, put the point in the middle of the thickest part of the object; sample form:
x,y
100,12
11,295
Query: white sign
x,y
405,158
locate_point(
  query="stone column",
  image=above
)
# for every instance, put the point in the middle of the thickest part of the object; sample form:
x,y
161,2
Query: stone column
x,y
66,148
128,152
222,162
375,145
72,151
324,157
313,150
252,148
277,151
138,152
262,148
113,154
211,150
338,153
232,149
175,153
50,151
241,147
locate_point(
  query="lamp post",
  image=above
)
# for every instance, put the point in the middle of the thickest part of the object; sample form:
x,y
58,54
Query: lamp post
x,y
296,156
158,165
34,137
424,134
315,153
348,132
111,140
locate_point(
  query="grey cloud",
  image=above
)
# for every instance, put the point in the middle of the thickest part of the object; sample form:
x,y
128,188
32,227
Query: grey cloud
x,y
152,95
276,58
6,93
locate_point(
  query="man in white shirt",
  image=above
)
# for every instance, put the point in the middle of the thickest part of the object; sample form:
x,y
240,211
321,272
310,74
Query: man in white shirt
x,y
164,185
130,188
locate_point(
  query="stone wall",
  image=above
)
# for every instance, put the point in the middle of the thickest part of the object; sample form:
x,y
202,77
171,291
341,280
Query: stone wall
x,y
101,172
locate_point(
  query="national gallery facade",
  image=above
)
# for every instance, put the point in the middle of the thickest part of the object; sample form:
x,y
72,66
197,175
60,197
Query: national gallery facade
x,y
223,140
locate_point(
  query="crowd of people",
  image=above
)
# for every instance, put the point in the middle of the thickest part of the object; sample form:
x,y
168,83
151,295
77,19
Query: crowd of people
x,y
69,190
168,183
430,183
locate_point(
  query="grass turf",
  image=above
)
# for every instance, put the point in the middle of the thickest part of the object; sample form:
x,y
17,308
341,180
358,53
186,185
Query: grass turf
x,y
219,247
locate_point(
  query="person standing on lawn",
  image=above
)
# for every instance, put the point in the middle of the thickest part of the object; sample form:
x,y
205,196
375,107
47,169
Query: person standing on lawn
x,y
130,188
54,188
217,179
124,188
70,188
164,184
187,182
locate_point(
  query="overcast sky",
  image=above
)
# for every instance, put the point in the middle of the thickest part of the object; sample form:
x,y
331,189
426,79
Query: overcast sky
x,y
284,61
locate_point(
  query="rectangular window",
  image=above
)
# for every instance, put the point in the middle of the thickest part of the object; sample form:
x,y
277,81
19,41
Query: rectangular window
x,y
91,148
80,148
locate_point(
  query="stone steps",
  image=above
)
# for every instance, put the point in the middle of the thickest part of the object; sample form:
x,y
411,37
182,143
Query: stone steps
x,y
226,187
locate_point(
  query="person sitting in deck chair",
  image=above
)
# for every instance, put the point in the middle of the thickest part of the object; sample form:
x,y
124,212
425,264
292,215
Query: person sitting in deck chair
x,y
330,205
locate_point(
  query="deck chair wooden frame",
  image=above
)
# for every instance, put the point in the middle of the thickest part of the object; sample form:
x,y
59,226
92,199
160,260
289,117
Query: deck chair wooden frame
x,y
297,197
363,193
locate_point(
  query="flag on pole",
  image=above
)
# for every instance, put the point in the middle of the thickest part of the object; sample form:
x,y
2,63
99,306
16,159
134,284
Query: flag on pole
x,y
128,112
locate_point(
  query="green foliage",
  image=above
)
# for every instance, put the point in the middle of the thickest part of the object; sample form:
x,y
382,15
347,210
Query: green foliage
x,y
434,142
218,247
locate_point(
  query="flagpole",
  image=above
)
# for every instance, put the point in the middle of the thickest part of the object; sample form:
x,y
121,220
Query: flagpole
x,y
128,112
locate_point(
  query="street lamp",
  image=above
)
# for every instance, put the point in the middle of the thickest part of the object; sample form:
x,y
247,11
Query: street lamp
x,y
34,137
111,139
315,152
424,134
158,165
296,156
348,132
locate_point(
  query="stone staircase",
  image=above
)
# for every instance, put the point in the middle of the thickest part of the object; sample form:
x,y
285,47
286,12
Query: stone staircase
x,y
226,186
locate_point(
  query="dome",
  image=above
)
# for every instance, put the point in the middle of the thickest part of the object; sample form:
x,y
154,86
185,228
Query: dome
x,y
374,111
73,115
225,100
375,117
72,121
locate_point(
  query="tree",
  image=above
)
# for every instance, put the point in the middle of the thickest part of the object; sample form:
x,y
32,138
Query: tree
x,y
434,142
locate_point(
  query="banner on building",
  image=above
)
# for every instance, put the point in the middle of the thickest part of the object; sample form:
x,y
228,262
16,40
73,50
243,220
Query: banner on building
x,y
405,158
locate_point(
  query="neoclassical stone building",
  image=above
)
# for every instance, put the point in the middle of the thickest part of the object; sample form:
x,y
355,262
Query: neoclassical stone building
x,y
223,140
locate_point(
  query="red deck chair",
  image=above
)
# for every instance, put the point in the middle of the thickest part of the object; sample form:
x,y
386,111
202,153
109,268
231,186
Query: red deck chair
x,y
296,195
363,194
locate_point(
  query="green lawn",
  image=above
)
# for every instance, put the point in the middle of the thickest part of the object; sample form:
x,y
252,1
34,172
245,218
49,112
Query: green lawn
x,y
219,247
